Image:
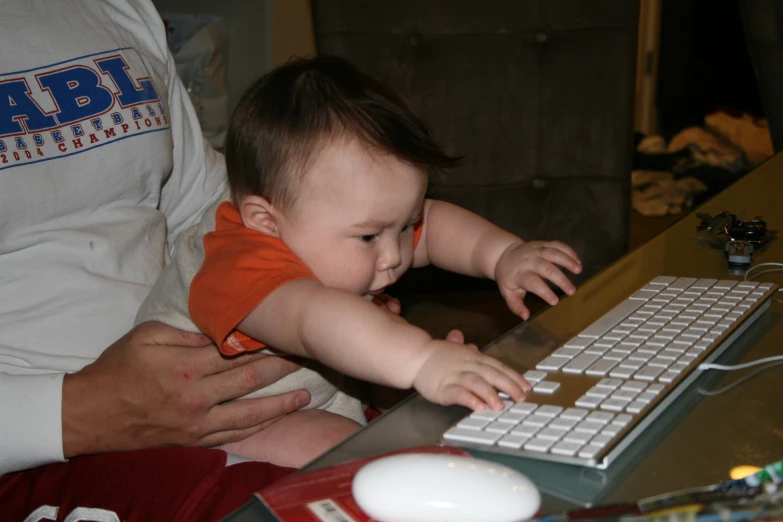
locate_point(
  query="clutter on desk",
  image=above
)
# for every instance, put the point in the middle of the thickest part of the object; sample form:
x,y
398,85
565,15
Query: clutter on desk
x,y
744,237
671,176
757,497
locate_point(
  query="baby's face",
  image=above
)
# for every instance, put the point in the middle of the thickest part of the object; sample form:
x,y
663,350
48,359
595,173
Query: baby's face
x,y
353,223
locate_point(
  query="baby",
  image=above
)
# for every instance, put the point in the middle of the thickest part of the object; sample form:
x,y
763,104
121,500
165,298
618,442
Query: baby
x,y
328,172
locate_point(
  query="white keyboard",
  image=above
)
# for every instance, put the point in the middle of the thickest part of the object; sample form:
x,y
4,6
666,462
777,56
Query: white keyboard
x,y
595,394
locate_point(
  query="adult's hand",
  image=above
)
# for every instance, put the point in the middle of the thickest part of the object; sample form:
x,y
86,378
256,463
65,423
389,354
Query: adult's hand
x,y
158,386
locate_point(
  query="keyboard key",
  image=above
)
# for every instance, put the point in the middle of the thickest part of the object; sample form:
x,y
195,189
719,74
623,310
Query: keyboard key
x,y
597,391
635,407
635,386
578,342
580,363
655,388
589,452
578,437
533,376
668,376
621,373
682,283
569,353
478,437
469,423
614,404
600,440
612,430
498,427
513,441
586,401
512,417
539,421
547,387
644,295
600,416
524,407
646,397
574,413
589,427
622,420
568,449
551,433
649,373
632,364
525,430
612,384
549,411
562,423
601,367
538,444
624,395
487,414
552,363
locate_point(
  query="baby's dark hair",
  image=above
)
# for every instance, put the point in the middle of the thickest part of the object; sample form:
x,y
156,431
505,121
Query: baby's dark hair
x,y
287,116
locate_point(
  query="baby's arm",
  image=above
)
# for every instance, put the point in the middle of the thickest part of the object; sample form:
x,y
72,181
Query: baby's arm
x,y
354,336
460,241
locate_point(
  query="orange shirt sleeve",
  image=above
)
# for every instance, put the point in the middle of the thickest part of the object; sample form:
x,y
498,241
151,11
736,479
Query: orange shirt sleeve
x,y
241,268
418,228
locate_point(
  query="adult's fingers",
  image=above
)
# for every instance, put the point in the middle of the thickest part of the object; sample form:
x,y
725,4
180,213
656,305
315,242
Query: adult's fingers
x,y
239,419
243,379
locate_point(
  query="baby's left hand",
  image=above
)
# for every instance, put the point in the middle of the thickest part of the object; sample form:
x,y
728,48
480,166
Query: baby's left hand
x,y
524,267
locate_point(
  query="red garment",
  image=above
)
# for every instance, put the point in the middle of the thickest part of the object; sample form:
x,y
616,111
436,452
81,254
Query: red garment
x,y
166,485
160,485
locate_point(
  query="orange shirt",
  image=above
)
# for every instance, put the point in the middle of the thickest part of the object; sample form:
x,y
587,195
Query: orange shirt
x,y
241,268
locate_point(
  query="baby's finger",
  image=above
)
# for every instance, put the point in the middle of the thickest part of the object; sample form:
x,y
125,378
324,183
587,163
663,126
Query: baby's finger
x,y
565,249
456,394
515,303
455,336
481,385
510,372
501,381
391,303
531,282
548,270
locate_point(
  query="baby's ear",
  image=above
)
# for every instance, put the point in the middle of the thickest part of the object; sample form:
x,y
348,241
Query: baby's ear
x,y
257,213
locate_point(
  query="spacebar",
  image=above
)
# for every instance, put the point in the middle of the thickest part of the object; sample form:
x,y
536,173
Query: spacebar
x,y
611,318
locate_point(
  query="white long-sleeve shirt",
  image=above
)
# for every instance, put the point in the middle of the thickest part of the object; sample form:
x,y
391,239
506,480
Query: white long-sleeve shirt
x,y
102,166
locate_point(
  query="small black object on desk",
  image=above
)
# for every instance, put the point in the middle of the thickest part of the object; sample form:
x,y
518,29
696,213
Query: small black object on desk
x,y
745,237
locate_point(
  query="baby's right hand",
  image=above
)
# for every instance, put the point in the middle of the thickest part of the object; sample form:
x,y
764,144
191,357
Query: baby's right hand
x,y
455,373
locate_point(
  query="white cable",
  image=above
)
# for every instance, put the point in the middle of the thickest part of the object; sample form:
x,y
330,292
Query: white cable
x,y
727,368
779,268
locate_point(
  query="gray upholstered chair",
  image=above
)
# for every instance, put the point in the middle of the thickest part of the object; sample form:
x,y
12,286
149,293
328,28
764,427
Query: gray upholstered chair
x,y
536,94
763,23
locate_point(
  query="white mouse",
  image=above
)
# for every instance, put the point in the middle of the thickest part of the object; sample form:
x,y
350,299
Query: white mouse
x,y
427,487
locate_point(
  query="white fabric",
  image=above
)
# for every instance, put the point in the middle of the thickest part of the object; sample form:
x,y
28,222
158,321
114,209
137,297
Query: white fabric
x,y
83,222
167,303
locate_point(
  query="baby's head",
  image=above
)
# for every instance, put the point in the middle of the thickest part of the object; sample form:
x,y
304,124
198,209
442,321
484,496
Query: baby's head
x,y
335,165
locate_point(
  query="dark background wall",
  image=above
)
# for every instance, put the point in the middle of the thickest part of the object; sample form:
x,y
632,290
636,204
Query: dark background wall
x,y
704,63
